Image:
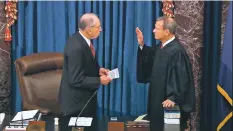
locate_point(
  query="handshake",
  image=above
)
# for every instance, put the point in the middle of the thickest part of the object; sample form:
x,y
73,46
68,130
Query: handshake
x,y
104,79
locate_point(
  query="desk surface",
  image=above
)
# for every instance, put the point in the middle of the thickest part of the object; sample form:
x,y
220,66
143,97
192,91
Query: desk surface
x,y
98,124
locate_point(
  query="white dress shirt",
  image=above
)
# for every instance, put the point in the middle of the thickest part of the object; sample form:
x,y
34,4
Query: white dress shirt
x,y
164,44
87,40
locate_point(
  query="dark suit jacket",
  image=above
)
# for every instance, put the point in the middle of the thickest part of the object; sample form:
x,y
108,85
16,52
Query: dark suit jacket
x,y
80,77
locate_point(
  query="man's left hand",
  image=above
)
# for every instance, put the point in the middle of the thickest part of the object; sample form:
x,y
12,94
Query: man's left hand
x,y
103,71
168,103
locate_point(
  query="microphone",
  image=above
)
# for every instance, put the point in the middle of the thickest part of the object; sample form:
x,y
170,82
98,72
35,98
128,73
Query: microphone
x,y
39,117
22,119
85,107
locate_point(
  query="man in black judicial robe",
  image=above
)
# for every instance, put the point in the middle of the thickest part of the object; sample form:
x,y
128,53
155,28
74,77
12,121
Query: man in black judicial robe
x,y
167,68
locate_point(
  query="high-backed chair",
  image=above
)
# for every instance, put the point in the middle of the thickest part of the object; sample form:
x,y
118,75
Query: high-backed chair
x,y
39,77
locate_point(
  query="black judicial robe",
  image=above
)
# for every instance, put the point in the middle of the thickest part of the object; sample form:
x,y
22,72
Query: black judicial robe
x,y
169,74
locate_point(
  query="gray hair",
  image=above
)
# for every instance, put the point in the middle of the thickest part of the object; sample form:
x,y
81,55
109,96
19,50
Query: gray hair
x,y
168,23
87,20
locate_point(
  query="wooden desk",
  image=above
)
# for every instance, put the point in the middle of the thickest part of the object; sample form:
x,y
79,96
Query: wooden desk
x,y
98,124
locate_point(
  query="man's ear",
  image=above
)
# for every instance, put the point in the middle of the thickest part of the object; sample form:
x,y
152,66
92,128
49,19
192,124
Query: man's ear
x,y
88,31
167,32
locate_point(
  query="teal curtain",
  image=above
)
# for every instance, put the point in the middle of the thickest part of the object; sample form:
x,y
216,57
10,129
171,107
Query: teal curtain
x,y
211,61
44,26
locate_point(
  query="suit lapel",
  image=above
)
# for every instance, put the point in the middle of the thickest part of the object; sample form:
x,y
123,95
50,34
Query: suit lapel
x,y
87,48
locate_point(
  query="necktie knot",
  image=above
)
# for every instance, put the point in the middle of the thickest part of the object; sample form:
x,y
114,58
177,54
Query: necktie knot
x,y
161,45
92,49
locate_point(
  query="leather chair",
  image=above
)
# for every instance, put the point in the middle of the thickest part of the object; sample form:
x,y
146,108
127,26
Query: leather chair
x,y
39,77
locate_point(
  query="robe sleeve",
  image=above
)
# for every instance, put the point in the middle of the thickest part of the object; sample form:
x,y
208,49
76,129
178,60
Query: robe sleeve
x,y
145,60
180,86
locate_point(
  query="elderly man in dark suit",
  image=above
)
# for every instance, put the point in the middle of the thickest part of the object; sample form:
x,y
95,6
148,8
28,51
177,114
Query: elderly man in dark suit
x,y
81,75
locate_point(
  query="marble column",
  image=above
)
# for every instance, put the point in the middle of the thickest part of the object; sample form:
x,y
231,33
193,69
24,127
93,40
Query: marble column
x,y
5,64
189,17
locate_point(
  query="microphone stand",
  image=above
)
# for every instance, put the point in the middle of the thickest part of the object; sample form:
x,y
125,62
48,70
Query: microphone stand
x,y
22,119
9,117
76,128
16,128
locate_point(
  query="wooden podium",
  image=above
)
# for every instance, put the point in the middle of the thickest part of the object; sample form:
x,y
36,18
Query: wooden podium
x,y
116,126
77,129
137,126
129,126
36,125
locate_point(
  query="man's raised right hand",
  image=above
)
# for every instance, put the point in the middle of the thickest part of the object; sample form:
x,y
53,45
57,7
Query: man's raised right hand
x,y
139,37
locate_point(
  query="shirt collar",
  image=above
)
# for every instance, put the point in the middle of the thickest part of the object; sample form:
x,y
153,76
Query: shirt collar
x,y
86,39
164,44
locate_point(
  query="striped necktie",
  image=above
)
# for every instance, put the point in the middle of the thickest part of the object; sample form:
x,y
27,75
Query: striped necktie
x,y
161,45
92,49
